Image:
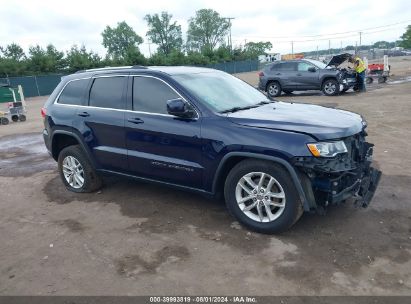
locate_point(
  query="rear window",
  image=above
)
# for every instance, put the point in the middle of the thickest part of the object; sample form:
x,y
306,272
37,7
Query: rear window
x,y
73,93
107,92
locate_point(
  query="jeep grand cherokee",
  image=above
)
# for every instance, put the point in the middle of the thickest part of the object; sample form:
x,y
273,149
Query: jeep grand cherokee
x,y
204,130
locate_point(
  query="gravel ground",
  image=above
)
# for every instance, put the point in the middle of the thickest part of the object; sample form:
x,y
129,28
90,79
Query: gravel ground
x,y
133,238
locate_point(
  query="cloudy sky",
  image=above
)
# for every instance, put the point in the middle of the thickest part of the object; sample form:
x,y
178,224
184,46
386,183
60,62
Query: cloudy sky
x,y
308,23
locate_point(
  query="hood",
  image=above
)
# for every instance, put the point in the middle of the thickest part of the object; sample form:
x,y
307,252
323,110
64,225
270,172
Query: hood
x,y
320,122
338,59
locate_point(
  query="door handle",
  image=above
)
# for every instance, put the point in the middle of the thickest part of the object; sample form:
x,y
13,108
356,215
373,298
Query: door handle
x,y
83,114
135,120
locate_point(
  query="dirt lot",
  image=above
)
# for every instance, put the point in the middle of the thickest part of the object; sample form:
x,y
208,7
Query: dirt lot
x,y
133,238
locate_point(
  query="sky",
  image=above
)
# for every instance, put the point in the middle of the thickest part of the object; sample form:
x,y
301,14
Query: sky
x,y
307,23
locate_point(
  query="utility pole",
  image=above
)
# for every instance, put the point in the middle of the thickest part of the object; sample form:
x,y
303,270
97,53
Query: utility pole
x,y
340,46
318,57
230,41
360,38
329,47
292,48
149,46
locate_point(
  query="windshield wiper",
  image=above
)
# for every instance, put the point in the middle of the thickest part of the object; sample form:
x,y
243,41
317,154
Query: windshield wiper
x,y
236,109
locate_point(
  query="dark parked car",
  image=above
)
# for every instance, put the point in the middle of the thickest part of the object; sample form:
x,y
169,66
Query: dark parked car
x,y
306,74
206,131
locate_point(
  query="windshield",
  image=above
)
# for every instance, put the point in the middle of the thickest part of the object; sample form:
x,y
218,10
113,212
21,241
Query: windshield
x,y
317,63
221,91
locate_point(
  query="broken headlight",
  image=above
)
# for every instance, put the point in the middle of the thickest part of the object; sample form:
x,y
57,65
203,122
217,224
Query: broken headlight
x,y
327,149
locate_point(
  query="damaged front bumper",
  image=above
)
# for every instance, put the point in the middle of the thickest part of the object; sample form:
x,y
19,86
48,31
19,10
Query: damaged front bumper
x,y
328,181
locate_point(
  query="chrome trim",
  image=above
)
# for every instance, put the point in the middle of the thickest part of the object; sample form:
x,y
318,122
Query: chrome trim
x,y
123,110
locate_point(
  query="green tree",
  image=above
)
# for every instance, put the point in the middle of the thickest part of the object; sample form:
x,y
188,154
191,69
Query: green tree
x,y
405,41
381,45
120,39
206,30
13,51
48,60
80,59
253,49
164,33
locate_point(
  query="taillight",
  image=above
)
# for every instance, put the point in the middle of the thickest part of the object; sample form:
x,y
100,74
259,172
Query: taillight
x,y
43,112
261,74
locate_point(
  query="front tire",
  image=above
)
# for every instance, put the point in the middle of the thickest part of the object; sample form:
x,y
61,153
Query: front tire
x,y
262,196
331,87
76,171
273,89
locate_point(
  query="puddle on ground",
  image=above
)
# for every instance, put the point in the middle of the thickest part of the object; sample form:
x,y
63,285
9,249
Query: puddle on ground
x,y
24,155
404,80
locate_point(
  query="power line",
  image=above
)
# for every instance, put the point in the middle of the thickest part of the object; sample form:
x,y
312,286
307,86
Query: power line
x,y
331,34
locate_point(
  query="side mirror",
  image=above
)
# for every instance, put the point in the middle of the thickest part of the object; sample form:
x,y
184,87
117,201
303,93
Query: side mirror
x,y
312,69
179,108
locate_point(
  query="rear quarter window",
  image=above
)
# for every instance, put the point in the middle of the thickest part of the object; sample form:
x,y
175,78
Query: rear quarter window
x,y
74,92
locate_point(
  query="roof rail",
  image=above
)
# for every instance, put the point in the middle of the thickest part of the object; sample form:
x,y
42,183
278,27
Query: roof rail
x,y
139,67
113,68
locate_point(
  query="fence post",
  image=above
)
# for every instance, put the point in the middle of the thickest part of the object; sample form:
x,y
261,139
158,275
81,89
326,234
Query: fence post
x,y
37,86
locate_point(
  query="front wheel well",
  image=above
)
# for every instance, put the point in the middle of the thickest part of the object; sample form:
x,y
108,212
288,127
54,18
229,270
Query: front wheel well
x,y
228,166
61,141
327,78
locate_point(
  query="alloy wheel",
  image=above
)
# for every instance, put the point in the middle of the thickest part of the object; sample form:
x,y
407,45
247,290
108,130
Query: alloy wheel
x,y
260,197
330,87
73,172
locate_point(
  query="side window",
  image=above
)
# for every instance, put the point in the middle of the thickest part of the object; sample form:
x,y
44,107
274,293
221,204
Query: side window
x,y
73,93
151,95
303,66
107,92
275,67
286,66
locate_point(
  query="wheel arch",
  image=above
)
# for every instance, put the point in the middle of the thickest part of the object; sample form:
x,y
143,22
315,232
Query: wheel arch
x,y
325,78
271,81
62,139
233,158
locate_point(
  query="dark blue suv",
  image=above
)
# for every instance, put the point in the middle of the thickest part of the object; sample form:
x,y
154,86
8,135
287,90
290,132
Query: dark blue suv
x,y
207,131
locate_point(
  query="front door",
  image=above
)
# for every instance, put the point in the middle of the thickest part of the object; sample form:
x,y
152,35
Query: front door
x,y
306,79
161,146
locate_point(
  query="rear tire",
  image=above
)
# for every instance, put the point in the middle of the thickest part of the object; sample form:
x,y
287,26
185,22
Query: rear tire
x,y
331,87
76,172
15,118
273,89
281,197
22,117
4,121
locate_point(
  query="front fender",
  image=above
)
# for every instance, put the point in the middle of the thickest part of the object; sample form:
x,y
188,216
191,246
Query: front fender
x,y
284,163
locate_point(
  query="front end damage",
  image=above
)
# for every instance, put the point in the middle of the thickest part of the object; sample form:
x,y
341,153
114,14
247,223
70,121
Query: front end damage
x,y
334,180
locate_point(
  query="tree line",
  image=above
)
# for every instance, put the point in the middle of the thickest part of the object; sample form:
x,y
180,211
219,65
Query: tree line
x,y
205,44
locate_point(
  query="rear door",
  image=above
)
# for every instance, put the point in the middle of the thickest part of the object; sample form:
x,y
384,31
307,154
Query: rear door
x,y
285,72
101,122
161,146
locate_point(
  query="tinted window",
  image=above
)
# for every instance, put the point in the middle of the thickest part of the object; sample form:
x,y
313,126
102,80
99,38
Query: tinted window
x,y
286,66
73,93
151,95
304,66
107,92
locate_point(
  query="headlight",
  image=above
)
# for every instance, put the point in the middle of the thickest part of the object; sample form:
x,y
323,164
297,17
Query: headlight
x,y
327,149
